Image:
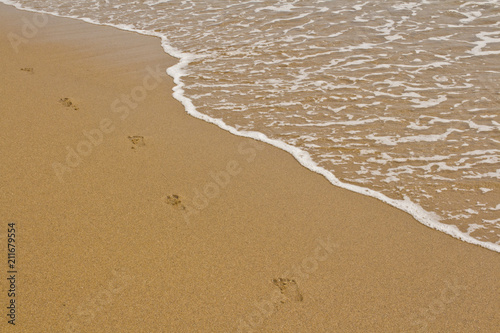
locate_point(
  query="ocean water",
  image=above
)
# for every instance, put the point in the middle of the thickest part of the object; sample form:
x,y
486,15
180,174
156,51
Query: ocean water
x,y
399,100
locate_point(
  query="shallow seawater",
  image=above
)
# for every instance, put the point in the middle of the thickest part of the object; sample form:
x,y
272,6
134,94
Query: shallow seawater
x,y
399,97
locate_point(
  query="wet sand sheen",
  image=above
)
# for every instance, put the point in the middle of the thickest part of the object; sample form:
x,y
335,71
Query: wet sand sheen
x,y
269,246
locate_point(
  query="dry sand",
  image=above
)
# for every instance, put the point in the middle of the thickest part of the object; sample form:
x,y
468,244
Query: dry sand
x,y
106,246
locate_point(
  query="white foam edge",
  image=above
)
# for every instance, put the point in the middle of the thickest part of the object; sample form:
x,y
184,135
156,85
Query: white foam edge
x,y
176,72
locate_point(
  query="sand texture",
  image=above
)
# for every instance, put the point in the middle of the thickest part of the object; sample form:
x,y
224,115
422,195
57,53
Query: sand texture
x,y
133,216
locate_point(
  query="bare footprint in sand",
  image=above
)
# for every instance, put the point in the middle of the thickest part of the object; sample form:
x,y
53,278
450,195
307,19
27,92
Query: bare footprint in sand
x,y
68,103
289,288
174,200
28,70
137,141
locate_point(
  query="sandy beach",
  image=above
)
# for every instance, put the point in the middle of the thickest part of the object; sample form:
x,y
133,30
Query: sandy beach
x,y
132,216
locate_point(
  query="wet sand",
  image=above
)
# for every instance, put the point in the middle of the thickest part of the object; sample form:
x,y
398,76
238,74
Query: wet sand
x,y
132,216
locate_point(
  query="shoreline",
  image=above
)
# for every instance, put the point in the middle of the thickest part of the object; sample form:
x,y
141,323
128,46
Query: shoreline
x,y
423,216
259,235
